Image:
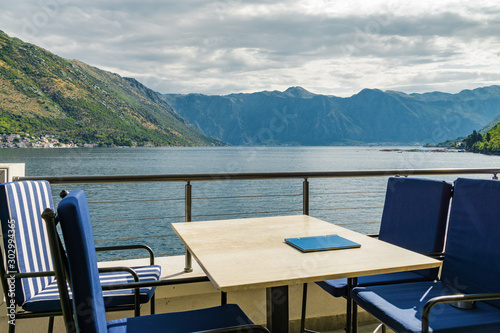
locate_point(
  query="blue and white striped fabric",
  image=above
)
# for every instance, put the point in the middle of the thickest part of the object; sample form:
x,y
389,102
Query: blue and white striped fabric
x,y
21,207
48,299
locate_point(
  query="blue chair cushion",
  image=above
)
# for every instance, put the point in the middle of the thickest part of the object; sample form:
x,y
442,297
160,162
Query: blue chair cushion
x,y
472,260
338,287
415,213
183,322
400,307
76,226
48,298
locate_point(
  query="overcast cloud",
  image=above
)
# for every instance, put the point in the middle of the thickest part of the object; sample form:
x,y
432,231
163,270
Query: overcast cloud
x,y
226,46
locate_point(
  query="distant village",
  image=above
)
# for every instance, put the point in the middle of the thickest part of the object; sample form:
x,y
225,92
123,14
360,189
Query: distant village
x,y
44,141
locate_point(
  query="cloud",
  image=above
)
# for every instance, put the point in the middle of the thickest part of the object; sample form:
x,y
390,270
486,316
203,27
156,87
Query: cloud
x,y
225,46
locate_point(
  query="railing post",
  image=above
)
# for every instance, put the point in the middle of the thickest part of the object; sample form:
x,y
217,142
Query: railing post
x,y
188,266
305,197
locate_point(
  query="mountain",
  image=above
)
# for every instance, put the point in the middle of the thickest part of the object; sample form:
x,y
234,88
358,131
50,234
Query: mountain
x,y
299,117
41,93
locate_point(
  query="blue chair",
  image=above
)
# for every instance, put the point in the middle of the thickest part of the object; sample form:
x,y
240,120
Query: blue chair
x,y
28,260
414,217
76,228
470,272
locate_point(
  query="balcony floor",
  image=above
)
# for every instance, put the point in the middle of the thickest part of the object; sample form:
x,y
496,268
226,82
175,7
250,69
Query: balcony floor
x,y
363,329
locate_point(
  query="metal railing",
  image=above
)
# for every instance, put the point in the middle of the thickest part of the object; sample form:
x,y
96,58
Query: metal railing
x,y
253,176
188,179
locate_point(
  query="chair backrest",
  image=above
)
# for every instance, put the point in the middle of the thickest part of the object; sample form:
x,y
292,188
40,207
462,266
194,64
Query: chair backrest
x,y
415,215
472,259
21,207
76,226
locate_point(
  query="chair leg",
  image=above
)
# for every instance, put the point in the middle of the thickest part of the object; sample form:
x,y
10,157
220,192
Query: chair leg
x,y
348,319
152,305
303,328
352,308
303,313
51,324
223,298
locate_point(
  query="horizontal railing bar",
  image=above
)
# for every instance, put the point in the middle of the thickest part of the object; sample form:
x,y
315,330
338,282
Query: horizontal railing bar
x,y
343,208
251,213
133,238
355,223
249,196
254,176
350,192
132,201
140,219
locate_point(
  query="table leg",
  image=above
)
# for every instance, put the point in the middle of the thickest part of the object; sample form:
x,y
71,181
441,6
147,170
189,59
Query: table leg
x,y
277,309
348,322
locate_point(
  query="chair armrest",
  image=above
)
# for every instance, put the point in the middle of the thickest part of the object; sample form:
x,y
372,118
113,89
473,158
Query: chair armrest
x,y
129,247
239,329
154,283
120,269
435,255
137,300
32,274
452,299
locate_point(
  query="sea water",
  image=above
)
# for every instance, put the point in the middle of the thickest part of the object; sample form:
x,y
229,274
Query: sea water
x,y
146,210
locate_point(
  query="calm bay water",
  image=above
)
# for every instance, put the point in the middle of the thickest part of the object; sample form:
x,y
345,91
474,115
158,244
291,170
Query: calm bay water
x,y
98,161
354,202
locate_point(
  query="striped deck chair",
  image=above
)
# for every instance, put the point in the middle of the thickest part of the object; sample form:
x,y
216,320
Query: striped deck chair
x,y
26,266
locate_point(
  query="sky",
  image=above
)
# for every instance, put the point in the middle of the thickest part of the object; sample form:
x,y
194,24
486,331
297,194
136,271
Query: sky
x,y
228,46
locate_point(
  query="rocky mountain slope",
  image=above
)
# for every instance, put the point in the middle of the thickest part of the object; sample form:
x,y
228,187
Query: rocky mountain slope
x,y
41,93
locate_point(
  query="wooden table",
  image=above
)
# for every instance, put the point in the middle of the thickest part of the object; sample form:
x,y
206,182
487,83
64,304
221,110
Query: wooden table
x,y
251,253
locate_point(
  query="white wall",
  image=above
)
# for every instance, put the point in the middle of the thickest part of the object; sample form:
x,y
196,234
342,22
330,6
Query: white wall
x,y
10,170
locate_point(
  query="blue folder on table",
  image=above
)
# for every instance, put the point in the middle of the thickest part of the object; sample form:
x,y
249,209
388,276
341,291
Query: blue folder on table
x,y
321,243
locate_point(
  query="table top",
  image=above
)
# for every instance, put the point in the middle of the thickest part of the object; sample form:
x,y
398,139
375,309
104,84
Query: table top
x,y
251,253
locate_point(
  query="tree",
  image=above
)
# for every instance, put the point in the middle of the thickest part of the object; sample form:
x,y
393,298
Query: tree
x,y
472,139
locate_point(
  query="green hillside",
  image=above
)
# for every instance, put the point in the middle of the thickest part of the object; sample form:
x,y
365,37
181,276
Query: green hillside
x,y
41,93
487,143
